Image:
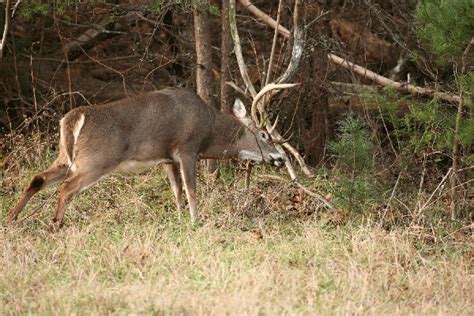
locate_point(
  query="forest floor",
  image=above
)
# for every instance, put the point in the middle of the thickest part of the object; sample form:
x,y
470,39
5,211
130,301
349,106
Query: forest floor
x,y
125,249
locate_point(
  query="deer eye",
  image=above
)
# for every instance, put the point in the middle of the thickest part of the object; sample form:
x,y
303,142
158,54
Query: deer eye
x,y
264,135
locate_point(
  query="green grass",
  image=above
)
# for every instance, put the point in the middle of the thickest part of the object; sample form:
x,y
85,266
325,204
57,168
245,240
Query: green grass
x,y
124,248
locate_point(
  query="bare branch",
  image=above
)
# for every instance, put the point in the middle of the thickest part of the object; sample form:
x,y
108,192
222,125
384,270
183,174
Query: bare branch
x,y
272,54
297,53
238,89
316,195
298,44
238,49
5,28
17,4
265,18
394,84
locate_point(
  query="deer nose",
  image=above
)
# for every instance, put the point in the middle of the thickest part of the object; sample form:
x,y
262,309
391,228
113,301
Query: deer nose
x,y
277,160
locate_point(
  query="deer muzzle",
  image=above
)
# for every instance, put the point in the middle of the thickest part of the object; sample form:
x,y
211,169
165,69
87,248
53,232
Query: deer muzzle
x,y
277,160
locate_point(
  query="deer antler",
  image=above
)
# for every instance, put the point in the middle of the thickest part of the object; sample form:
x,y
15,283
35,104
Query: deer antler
x,y
258,105
265,90
273,88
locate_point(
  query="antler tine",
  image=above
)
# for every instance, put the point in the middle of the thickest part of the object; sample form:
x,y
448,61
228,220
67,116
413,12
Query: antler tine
x,y
271,129
283,140
265,90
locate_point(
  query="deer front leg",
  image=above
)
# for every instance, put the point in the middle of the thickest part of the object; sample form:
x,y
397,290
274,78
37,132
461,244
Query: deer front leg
x,y
187,165
70,188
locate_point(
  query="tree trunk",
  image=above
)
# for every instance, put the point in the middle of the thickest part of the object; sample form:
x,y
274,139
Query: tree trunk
x,y
202,35
315,97
226,44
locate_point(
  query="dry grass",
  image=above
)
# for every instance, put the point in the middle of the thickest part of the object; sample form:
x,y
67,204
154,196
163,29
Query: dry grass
x,y
125,249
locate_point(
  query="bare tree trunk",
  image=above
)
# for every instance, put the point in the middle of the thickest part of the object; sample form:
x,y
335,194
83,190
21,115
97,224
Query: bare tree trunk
x,y
226,45
315,107
314,100
202,35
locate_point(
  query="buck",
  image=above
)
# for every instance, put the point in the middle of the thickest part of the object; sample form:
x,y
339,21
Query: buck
x,y
173,127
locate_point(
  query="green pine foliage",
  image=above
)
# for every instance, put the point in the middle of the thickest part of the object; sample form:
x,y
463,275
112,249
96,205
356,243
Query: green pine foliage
x,y
353,149
446,25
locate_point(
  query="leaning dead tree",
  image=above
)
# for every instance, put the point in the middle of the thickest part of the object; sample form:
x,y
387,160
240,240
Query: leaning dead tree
x,y
261,99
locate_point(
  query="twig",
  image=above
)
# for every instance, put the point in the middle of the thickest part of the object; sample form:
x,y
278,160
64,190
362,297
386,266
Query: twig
x,y
456,141
124,82
387,206
298,43
297,52
238,89
15,7
323,13
270,63
440,184
316,195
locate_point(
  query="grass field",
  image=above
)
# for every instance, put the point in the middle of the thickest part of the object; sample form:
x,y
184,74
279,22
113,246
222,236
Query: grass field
x,y
125,249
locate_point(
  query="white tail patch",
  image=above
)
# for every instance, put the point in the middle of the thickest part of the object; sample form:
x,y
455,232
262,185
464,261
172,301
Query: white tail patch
x,y
62,141
75,132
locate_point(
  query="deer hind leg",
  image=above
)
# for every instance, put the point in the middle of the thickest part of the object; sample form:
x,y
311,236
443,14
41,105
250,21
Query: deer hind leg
x,y
57,173
188,172
78,182
172,171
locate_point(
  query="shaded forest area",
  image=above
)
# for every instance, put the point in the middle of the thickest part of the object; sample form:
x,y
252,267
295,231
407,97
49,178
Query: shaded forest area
x,y
371,141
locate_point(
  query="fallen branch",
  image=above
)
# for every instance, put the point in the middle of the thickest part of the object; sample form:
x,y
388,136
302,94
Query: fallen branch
x,y
265,18
394,84
296,182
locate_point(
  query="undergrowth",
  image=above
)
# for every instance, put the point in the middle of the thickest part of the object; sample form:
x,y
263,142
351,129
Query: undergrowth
x,y
124,248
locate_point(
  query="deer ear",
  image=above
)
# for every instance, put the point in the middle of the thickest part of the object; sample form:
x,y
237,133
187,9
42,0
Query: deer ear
x,y
239,109
241,113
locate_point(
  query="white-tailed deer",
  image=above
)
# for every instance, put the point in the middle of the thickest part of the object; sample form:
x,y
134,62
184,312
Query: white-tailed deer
x,y
172,126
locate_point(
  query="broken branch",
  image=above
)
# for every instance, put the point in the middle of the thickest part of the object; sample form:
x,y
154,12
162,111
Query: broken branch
x,y
394,84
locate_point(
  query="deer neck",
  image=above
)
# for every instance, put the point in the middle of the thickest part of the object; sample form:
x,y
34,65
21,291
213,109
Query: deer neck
x,y
224,139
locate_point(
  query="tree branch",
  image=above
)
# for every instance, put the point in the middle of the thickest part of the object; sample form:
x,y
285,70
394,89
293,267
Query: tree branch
x,y
265,18
394,84
238,49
